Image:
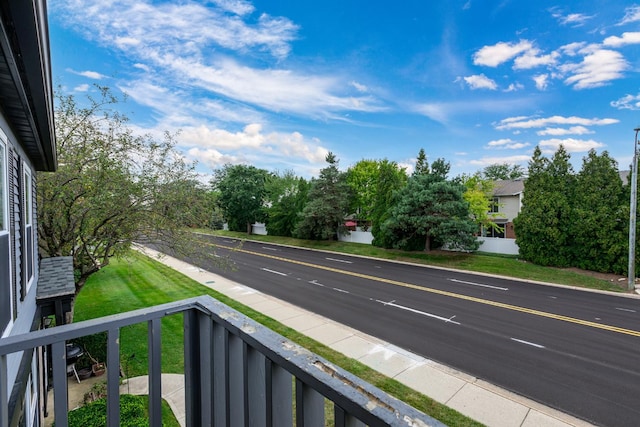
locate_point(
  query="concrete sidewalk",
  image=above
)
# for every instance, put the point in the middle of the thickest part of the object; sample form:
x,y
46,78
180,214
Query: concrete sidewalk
x,y
477,399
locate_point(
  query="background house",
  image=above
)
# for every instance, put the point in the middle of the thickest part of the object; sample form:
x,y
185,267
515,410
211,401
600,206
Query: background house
x,y
507,202
26,145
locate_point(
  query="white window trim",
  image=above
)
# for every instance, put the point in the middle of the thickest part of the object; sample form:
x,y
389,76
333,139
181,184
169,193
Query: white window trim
x,y
5,228
28,218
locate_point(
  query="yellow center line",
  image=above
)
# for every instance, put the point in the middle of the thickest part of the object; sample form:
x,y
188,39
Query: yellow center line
x,y
445,293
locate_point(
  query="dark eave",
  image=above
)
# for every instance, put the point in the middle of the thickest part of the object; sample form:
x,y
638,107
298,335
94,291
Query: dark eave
x,y
26,94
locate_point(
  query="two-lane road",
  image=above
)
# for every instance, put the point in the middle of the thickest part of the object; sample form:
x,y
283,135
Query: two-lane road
x,y
573,350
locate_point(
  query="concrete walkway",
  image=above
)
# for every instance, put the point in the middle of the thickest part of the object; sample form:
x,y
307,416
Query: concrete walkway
x,y
475,398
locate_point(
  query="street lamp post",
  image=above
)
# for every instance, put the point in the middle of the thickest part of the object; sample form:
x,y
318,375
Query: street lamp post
x,y
632,215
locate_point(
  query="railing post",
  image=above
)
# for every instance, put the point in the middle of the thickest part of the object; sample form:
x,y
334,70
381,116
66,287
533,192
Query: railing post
x,y
238,385
279,392
113,378
154,334
191,363
221,376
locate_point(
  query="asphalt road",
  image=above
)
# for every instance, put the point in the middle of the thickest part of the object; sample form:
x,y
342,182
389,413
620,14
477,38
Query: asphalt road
x,y
572,350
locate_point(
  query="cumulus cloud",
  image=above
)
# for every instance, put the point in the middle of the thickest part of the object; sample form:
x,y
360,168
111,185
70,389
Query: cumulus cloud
x,y
532,58
506,144
522,122
570,144
596,69
514,87
492,56
512,160
626,39
81,88
627,102
480,81
571,19
573,130
541,81
88,74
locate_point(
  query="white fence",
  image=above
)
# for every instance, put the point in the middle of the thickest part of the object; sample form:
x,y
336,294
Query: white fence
x,y
498,245
364,237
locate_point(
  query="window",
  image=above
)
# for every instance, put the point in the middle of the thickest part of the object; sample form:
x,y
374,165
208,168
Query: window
x,y
493,232
27,209
494,205
6,290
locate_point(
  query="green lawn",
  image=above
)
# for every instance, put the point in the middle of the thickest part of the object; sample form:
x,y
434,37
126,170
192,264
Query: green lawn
x,y
504,265
138,281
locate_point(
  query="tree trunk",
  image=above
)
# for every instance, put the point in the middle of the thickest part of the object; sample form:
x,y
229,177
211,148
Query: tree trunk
x,y
248,228
427,244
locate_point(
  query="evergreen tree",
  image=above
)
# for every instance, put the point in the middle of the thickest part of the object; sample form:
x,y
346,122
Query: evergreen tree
x,y
422,165
391,178
431,211
324,213
601,213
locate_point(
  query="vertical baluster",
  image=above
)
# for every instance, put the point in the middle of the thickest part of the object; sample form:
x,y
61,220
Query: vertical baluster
x,y
309,406
344,419
60,398
221,376
113,378
257,392
237,383
279,395
205,342
154,345
191,374
4,393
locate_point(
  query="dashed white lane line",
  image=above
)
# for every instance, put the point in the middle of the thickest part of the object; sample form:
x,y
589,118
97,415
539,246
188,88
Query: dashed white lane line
x,y
269,249
479,284
532,344
626,309
341,290
413,310
315,282
340,260
274,272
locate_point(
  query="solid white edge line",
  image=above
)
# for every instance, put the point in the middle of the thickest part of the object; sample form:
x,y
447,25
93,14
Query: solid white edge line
x,y
626,309
413,310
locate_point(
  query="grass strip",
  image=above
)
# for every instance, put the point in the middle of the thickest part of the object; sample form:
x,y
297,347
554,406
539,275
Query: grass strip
x,y
137,281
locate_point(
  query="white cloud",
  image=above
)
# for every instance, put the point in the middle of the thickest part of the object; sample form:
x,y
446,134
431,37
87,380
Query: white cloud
x,y
82,88
480,81
631,14
532,59
541,81
572,49
596,69
522,122
213,158
359,86
88,74
572,19
627,102
514,87
627,38
570,144
512,160
573,130
239,7
492,56
506,144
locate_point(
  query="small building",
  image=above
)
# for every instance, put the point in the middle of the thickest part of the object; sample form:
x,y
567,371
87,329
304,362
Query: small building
x,y
505,207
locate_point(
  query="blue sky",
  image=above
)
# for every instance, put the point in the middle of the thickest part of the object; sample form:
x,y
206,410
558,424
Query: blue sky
x,y
278,84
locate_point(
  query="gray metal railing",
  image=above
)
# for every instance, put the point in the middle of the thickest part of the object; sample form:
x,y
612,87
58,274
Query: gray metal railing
x,y
237,373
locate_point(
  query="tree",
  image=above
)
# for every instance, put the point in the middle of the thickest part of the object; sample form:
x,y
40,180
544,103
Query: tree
x,y
287,195
479,194
431,210
544,225
391,178
601,212
362,178
242,196
111,188
422,165
503,171
328,204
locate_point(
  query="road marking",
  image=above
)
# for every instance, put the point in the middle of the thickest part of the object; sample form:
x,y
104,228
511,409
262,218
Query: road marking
x,y
552,297
625,309
340,290
517,308
340,260
413,310
479,284
274,272
532,344
269,249
315,282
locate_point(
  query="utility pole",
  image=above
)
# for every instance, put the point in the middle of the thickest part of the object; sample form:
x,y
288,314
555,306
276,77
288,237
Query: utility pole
x,y
631,284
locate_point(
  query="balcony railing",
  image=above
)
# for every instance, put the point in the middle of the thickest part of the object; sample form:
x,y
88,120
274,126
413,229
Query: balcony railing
x,y
237,373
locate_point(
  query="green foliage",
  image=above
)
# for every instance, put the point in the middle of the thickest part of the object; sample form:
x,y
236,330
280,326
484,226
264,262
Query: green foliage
x,y
479,194
242,195
287,194
111,187
422,165
324,213
503,171
431,212
132,413
601,212
391,178
362,178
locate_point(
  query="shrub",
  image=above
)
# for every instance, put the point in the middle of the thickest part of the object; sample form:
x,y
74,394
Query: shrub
x,y
132,413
